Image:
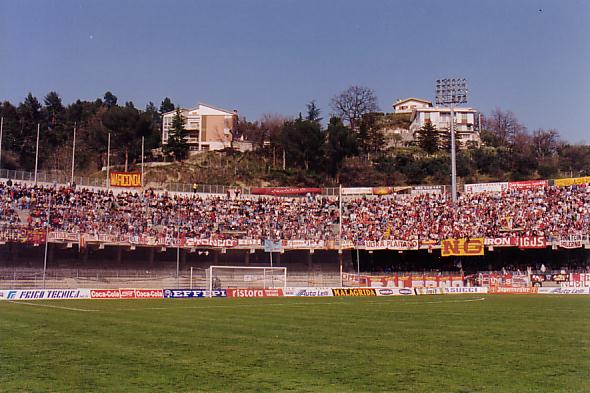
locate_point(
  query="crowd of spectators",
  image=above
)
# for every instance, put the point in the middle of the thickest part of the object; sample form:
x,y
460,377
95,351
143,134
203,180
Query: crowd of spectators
x,y
550,212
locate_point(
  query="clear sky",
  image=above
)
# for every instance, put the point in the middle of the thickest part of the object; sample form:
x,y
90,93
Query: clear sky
x,y
274,56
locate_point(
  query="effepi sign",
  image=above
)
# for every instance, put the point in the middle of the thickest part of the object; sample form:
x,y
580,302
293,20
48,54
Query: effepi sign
x,y
193,293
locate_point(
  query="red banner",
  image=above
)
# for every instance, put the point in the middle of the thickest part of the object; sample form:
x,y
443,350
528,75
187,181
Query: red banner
x,y
105,294
526,185
284,191
513,290
520,242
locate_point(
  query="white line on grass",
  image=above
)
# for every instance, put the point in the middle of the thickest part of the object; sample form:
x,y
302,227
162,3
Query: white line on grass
x,y
52,306
298,304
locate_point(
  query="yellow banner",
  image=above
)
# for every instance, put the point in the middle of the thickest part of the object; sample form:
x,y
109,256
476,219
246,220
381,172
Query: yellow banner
x,y
570,181
462,247
125,179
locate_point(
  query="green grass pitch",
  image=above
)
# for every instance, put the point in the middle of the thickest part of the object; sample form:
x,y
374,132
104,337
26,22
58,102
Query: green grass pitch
x,y
388,344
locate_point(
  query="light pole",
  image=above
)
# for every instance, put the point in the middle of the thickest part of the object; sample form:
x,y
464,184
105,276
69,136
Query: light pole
x,y
73,156
47,238
108,160
450,92
1,129
37,152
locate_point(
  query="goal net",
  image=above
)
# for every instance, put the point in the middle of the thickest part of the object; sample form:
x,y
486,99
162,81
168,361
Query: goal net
x,y
224,277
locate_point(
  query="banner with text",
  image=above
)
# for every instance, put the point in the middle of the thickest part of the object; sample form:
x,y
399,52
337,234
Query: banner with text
x,y
125,179
462,247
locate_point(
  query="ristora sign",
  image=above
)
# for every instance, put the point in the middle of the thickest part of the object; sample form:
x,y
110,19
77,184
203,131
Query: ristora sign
x,y
125,179
462,247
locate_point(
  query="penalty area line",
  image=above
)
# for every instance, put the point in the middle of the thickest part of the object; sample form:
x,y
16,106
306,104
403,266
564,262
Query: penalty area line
x,y
53,306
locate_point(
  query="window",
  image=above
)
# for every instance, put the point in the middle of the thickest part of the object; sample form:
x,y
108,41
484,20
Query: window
x,y
204,147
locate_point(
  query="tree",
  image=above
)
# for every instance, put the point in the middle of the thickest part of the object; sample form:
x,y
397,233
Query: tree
x,y
503,126
428,138
166,106
353,102
29,112
303,143
313,112
110,100
370,135
127,125
545,142
177,147
340,143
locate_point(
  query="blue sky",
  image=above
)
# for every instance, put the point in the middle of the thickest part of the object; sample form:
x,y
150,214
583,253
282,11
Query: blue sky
x,y
274,56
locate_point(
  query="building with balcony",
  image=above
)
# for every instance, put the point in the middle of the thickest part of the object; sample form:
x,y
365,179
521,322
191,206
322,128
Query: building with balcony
x,y
465,120
208,128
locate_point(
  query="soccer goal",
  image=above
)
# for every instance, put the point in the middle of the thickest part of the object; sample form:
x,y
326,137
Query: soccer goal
x,y
223,277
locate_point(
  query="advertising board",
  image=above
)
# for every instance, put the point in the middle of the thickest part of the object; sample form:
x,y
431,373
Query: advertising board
x,y
46,294
354,292
475,188
564,291
105,294
429,291
357,190
251,292
394,291
527,184
513,290
192,293
308,291
420,190
283,191
570,181
463,290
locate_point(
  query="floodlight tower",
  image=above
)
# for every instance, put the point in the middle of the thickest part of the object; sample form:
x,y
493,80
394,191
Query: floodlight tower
x,y
450,92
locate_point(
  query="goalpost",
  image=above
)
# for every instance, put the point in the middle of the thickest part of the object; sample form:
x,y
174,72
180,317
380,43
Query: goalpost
x,y
223,277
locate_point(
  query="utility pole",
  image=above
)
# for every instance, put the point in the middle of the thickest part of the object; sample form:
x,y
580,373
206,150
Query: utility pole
x,y
37,152
73,155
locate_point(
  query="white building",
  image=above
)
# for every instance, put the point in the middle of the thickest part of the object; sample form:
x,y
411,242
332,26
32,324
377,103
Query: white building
x,y
422,111
208,128
409,104
465,120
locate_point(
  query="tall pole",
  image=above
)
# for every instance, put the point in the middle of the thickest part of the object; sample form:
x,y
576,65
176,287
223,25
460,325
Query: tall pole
x,y
37,152
1,129
108,160
450,92
453,156
340,230
47,239
73,155
142,147
358,267
178,257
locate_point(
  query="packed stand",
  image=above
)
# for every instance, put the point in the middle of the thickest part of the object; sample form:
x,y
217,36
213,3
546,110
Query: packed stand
x,y
551,212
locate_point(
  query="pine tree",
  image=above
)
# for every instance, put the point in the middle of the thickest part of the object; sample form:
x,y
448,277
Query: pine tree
x,y
427,138
177,146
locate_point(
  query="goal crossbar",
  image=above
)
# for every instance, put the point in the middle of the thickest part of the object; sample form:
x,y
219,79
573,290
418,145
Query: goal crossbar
x,y
246,277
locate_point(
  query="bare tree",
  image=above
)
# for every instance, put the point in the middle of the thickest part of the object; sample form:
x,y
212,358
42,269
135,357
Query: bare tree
x,y
545,142
354,102
504,126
